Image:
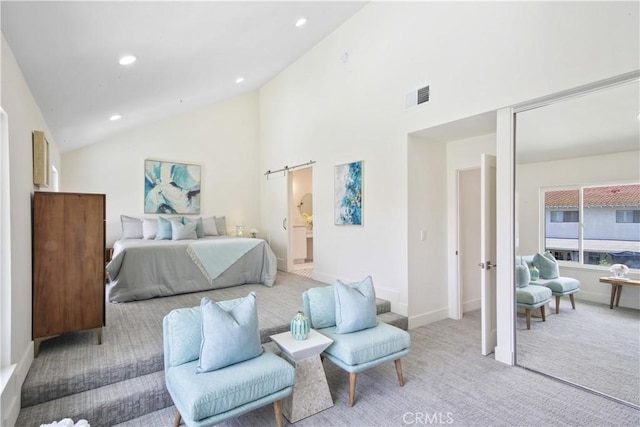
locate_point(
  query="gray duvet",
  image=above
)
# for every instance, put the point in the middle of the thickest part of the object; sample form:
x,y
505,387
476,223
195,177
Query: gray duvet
x,y
143,269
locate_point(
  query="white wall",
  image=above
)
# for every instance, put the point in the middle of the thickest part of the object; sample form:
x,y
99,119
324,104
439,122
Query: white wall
x,y
427,186
24,117
477,56
604,169
223,139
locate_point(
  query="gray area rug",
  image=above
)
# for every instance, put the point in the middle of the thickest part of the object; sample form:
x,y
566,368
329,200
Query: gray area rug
x,y
447,382
593,346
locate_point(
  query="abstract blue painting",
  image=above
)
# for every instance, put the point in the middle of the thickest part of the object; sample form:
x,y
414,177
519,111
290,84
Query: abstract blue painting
x,y
171,187
348,194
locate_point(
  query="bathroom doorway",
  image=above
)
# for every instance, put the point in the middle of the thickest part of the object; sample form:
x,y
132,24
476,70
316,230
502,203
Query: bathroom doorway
x,y
302,221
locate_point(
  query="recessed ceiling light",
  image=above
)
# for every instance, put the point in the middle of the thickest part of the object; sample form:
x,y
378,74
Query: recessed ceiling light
x,y
239,79
300,22
126,60
115,117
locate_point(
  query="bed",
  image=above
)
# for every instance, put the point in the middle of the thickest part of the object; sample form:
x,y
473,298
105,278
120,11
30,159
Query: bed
x,y
142,269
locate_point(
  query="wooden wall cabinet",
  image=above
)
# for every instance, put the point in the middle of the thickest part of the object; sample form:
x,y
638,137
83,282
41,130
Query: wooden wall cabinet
x,y
41,159
68,264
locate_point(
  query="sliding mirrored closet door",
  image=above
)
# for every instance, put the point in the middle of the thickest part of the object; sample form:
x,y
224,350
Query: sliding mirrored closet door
x,y
578,196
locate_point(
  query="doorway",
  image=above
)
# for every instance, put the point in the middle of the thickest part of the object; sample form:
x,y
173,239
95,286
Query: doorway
x,y
469,238
301,208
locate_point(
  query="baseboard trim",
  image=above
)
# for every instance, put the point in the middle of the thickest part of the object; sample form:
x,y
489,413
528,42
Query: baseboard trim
x,y
430,317
25,363
471,305
321,277
12,379
504,355
606,299
9,406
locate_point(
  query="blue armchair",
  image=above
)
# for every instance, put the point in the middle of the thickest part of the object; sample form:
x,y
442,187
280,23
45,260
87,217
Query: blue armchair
x,y
550,277
363,348
209,397
528,296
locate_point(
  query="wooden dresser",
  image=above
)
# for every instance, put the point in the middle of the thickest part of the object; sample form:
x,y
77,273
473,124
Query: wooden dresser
x,y
68,264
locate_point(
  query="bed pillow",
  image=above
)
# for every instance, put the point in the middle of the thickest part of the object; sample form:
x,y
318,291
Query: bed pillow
x,y
355,306
164,227
229,334
149,228
547,265
221,225
209,226
131,227
180,231
199,225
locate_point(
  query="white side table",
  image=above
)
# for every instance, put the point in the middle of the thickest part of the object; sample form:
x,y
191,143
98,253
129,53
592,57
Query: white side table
x,y
310,391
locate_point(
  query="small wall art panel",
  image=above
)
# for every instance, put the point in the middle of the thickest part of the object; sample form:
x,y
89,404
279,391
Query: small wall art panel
x,y
171,187
348,193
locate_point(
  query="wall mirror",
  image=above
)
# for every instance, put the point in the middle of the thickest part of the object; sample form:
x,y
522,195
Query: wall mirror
x,y
306,204
578,196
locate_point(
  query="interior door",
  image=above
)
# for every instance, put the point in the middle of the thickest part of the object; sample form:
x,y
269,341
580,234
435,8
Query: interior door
x,y
488,252
278,217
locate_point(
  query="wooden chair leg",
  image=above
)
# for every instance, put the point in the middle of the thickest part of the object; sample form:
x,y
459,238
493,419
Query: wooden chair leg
x,y
352,389
557,304
528,313
542,313
573,301
176,421
399,371
277,409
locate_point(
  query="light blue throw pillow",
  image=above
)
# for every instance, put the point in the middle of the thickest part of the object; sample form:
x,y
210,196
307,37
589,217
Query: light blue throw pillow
x,y
523,277
229,334
320,306
547,265
164,229
355,306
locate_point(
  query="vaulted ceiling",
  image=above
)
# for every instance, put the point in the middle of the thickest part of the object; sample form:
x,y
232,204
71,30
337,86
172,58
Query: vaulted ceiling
x,y
189,55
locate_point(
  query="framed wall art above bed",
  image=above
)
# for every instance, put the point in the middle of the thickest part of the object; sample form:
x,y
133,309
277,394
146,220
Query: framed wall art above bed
x,y
172,188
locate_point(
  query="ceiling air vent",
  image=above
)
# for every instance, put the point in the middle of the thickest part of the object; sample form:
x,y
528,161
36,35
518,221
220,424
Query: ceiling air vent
x,y
417,97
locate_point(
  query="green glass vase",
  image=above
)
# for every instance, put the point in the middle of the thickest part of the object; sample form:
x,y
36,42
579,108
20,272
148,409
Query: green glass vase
x,y
535,273
300,327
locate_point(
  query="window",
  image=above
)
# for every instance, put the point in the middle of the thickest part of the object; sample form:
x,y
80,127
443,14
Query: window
x,y
596,225
564,216
628,216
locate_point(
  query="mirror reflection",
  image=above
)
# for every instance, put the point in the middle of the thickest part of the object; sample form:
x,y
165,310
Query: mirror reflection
x,y
306,205
578,240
